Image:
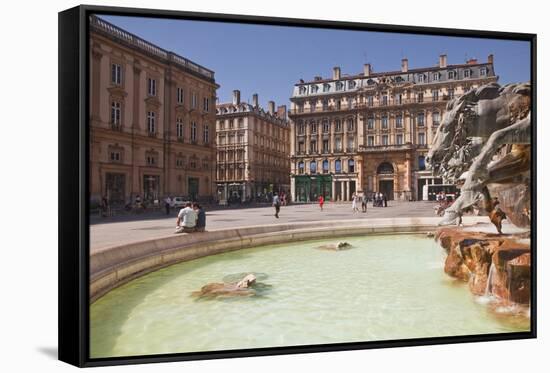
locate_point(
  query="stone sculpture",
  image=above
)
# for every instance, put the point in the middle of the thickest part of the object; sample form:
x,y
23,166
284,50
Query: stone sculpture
x,y
341,245
240,288
483,146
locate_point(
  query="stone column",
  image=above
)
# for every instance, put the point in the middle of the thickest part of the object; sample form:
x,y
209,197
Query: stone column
x,y
308,137
333,195
345,137
292,189
319,138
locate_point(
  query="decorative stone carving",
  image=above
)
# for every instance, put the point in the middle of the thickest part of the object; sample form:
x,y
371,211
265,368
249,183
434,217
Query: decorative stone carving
x,y
483,145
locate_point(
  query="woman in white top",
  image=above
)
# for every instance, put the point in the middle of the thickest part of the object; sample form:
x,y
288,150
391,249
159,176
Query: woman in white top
x,y
354,203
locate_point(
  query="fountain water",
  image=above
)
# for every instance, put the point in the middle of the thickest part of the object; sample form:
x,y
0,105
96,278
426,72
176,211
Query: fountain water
x,y
490,280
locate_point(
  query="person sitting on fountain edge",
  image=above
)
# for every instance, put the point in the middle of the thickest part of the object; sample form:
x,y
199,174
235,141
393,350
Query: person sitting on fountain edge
x,y
201,217
187,219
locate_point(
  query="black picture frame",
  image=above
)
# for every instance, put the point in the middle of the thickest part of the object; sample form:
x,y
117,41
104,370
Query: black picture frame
x,y
73,249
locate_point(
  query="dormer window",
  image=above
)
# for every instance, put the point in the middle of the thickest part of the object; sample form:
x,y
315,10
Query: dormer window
x,y
421,78
467,73
351,84
326,87
314,88
339,86
451,75
303,90
483,71
436,77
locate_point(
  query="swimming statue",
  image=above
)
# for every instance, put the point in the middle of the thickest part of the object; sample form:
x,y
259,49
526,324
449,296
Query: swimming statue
x,y
483,146
240,288
341,245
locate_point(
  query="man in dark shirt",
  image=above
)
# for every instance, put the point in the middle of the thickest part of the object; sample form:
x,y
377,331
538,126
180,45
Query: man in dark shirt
x,y
201,217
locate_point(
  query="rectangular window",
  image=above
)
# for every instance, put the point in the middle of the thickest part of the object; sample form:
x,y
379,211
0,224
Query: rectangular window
x,y
420,97
115,157
399,121
325,146
313,127
325,126
370,123
399,139
384,139
421,139
151,125
370,141
435,95
116,74
301,147
151,87
466,73
384,100
241,139
115,113
205,134
436,77
370,101
194,100
193,131
179,95
313,147
420,119
338,144
205,104
179,128
435,118
399,99
483,71
384,120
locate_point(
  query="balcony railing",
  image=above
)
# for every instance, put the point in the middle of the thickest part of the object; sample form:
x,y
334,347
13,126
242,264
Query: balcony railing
x,y
366,105
128,38
385,148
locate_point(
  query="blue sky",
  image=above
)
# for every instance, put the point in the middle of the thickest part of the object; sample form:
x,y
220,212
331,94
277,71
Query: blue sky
x,y
269,60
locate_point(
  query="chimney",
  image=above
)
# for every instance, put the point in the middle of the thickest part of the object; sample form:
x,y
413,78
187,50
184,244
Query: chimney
x,y
255,100
281,112
271,107
442,60
236,97
472,61
490,58
336,73
366,69
404,65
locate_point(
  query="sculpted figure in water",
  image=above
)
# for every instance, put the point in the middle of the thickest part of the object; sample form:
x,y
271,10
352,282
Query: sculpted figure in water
x,y
484,122
342,245
240,288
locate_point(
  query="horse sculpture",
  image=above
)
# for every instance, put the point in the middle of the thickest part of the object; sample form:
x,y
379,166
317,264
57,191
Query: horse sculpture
x,y
483,123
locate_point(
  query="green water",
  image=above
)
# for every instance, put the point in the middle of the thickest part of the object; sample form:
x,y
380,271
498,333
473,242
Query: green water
x,y
386,287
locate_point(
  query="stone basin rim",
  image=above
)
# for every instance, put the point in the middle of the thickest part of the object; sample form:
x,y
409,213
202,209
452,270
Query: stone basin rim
x,y
113,266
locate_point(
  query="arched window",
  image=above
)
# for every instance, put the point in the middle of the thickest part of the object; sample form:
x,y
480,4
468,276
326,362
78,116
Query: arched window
x,y
385,168
313,167
325,166
301,167
338,166
351,165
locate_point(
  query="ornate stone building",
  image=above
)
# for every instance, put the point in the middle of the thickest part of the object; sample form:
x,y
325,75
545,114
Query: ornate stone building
x,y
252,149
152,120
371,131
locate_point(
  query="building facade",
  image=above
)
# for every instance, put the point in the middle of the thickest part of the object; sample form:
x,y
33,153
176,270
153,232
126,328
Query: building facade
x,y
252,150
370,132
152,119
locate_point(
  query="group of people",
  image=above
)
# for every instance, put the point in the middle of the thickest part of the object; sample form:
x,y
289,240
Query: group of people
x,y
379,200
191,218
355,199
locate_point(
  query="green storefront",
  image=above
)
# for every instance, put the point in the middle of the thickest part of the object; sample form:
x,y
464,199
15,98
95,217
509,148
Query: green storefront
x,y
309,188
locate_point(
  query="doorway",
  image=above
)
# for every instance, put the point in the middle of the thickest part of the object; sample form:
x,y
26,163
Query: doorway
x,y
386,187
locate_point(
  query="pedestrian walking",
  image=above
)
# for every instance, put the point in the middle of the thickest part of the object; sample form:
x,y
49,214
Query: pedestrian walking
x,y
385,198
277,205
354,203
321,201
364,201
167,204
104,206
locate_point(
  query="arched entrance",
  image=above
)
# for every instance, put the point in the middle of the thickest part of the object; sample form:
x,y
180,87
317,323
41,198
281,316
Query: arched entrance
x,y
385,173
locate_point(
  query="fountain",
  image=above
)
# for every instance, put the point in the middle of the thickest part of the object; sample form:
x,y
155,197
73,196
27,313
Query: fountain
x,y
483,146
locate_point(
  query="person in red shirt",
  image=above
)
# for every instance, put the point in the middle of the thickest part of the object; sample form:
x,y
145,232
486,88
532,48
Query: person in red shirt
x,y
321,202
